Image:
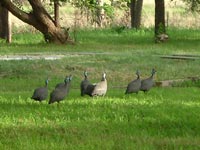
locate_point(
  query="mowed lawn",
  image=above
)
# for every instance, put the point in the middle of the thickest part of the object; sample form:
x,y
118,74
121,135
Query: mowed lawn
x,y
163,118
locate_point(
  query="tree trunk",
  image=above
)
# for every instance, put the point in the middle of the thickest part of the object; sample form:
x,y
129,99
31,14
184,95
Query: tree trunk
x,y
41,20
56,13
9,33
136,11
3,23
159,17
100,12
133,15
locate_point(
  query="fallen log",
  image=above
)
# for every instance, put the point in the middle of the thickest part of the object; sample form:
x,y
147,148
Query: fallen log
x,y
179,57
168,83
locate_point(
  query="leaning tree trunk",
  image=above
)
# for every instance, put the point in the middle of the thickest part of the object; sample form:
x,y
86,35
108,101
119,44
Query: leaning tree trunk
x,y
40,19
159,17
44,23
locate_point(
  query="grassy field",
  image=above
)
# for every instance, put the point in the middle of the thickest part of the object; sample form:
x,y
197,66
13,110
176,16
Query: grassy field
x,y
164,118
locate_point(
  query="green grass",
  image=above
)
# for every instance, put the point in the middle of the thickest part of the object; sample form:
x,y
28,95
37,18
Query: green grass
x,y
161,119
125,52
109,40
164,118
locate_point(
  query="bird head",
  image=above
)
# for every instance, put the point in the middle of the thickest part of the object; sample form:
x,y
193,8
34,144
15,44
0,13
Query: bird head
x,y
103,76
46,81
70,77
85,74
67,79
153,72
138,73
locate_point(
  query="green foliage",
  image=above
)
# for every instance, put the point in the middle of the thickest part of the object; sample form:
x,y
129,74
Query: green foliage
x,y
161,29
109,10
192,5
119,29
121,4
91,7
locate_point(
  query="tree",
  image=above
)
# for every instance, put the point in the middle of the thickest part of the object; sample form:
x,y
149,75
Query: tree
x,y
100,12
136,11
94,9
193,5
56,13
160,31
4,23
39,18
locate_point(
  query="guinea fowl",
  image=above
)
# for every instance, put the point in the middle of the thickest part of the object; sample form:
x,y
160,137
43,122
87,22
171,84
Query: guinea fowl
x,y
59,85
41,93
60,92
84,84
100,88
147,84
134,86
90,89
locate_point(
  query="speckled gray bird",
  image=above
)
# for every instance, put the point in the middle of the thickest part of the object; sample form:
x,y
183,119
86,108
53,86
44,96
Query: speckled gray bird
x,y
59,93
147,84
59,85
41,93
135,85
84,84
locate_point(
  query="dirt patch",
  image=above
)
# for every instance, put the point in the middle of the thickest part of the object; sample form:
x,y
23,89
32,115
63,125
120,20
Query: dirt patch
x,y
169,83
48,56
31,57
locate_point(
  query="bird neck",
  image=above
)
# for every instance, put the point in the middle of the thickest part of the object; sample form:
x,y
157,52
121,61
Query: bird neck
x,y
138,76
46,84
152,75
103,79
86,77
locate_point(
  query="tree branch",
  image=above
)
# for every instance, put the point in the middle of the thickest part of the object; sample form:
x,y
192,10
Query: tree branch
x,y
38,7
17,12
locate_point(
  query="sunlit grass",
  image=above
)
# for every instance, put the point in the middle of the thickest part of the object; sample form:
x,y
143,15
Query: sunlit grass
x,y
161,118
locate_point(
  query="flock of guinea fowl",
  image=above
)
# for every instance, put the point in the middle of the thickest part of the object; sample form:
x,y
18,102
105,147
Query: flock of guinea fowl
x,y
99,89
